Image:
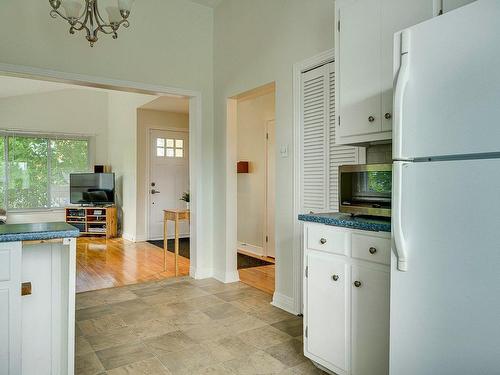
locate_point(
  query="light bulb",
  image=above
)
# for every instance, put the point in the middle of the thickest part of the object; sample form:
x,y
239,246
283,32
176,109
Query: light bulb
x,y
125,5
72,8
114,15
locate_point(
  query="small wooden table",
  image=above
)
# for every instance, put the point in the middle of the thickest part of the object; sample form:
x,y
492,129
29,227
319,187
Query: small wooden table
x,y
174,215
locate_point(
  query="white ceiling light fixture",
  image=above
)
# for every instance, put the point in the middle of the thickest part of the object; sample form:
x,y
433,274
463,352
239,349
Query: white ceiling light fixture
x,y
89,19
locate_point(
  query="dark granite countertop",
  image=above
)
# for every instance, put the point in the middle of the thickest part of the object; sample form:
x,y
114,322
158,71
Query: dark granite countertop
x,y
348,221
38,231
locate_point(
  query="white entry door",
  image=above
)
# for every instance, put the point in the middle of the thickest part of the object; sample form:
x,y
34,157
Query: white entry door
x,y
169,179
269,239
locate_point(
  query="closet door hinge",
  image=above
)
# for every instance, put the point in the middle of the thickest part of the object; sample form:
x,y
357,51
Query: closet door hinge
x,y
307,271
267,238
339,122
338,26
306,332
267,135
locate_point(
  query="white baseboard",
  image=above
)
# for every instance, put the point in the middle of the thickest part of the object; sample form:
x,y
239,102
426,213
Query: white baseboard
x,y
227,277
257,250
201,273
128,237
284,303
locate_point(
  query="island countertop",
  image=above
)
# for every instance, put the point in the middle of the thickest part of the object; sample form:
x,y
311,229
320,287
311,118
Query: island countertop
x,y
348,221
37,231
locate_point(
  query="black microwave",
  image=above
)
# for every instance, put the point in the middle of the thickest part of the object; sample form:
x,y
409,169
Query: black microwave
x,y
365,189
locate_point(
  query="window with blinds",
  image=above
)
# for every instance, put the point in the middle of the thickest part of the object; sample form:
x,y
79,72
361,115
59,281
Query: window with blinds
x,y
320,156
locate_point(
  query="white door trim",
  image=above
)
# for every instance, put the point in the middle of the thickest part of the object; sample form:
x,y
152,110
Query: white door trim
x,y
266,200
148,171
298,261
197,270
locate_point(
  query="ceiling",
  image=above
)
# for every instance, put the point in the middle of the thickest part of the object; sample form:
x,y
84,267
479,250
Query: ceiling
x,y
208,3
169,104
13,86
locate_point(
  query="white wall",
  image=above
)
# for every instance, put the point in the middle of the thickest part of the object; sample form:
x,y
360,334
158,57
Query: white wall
x,y
122,151
147,120
169,43
257,42
252,117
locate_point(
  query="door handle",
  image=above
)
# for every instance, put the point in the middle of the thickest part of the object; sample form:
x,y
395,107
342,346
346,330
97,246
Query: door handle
x,y
154,191
397,229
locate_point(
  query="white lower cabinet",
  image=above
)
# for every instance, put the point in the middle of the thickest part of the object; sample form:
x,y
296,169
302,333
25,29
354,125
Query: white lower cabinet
x,y
346,297
370,321
326,308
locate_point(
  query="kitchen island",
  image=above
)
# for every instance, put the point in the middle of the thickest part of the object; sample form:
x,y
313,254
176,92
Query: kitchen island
x,y
37,298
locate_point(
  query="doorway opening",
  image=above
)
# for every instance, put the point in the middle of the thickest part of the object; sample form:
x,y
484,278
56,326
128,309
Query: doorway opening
x,y
110,132
255,195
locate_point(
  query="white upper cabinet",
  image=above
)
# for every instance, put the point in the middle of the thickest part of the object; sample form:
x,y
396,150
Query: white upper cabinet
x,y
364,63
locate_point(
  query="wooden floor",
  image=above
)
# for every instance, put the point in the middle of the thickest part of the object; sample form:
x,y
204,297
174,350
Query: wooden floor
x,y
261,278
102,263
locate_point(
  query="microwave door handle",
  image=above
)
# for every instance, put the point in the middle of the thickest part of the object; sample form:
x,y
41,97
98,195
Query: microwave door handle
x,y
399,240
399,92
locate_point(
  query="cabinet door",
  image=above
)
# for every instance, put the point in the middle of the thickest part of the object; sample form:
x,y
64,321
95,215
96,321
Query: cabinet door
x,y
10,308
449,5
370,321
358,62
396,15
326,316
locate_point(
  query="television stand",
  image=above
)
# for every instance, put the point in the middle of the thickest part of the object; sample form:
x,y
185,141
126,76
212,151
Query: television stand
x,y
93,220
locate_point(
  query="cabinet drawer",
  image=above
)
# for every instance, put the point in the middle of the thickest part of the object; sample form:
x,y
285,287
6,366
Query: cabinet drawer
x,y
373,249
4,265
328,239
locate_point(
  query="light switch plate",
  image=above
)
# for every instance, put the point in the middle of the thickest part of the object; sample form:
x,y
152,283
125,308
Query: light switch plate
x,y
284,151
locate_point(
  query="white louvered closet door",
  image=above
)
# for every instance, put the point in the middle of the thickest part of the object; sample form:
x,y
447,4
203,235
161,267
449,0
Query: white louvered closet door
x,y
320,156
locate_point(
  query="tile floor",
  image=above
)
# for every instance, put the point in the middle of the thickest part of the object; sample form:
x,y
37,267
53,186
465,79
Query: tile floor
x,y
184,326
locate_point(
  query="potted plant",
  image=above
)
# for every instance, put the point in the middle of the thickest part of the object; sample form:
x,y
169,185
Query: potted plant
x,y
185,198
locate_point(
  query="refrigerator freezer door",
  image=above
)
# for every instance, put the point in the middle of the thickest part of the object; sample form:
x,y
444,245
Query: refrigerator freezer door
x,y
451,100
445,309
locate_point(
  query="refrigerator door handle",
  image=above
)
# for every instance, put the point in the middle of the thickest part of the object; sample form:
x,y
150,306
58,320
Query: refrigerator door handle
x,y
399,240
399,92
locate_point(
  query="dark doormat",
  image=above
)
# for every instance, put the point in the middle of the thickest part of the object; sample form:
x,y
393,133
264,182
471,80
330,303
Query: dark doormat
x,y
244,261
183,246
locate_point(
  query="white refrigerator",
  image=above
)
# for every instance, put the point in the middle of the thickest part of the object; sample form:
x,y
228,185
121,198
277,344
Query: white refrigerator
x,y
445,281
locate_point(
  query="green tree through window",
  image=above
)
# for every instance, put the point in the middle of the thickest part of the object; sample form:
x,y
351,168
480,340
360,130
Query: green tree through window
x,y
38,170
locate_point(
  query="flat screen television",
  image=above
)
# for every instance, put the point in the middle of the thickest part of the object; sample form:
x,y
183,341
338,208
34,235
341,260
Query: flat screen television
x,y
92,188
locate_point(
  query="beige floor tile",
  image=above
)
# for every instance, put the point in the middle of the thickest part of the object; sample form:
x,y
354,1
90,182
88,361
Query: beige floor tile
x,y
188,360
115,295
271,314
289,353
102,325
221,287
123,355
117,337
152,328
234,295
256,363
294,327
201,302
263,338
305,368
90,299
146,313
213,370
189,318
174,309
223,311
93,312
88,364
251,303
82,346
170,342
151,366
211,330
229,347
246,323
127,306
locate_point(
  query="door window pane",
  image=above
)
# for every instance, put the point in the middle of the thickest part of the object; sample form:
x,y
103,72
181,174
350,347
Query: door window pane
x,y
27,173
179,143
160,142
170,152
67,156
170,143
179,153
160,152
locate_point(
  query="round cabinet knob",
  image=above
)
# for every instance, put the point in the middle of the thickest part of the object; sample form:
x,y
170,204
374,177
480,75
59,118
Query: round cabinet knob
x,y
357,284
388,116
372,250
335,277
322,241
371,119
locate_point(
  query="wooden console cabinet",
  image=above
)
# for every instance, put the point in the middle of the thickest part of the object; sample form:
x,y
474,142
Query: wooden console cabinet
x,y
94,221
